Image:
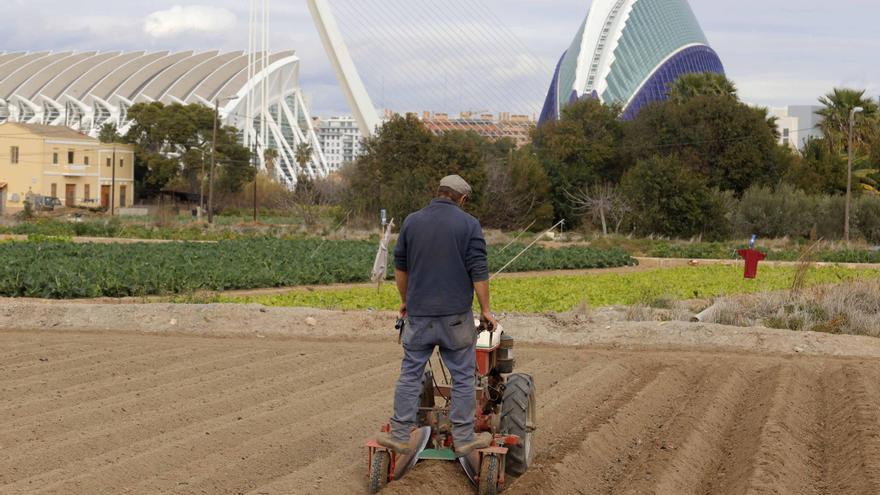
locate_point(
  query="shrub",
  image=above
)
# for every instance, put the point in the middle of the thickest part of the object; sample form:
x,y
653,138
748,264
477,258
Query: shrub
x,y
867,218
668,199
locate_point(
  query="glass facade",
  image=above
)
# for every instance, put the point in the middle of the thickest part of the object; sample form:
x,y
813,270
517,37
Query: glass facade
x,y
655,31
695,59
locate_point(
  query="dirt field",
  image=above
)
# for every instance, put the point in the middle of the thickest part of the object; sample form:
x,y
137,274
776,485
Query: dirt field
x,y
643,409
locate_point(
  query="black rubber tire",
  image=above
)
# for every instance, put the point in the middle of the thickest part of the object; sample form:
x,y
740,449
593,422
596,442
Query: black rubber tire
x,y
488,476
518,417
379,470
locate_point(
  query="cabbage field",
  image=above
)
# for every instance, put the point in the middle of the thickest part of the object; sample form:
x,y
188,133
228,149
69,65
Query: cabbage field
x,y
64,270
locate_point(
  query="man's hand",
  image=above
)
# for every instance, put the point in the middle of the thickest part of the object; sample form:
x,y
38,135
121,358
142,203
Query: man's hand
x,y
487,319
402,311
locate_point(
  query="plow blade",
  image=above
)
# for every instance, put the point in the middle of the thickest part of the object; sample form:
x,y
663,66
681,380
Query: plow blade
x,y
418,442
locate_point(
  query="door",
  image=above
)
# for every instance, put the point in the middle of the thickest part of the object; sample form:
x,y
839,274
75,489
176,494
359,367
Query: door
x,y
70,195
122,202
2,199
105,197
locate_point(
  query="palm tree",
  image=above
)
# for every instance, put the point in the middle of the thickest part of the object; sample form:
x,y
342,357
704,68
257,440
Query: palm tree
x,y
835,117
701,84
303,155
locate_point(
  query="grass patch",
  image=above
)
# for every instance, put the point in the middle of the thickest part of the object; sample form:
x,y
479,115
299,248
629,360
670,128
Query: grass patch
x,y
564,293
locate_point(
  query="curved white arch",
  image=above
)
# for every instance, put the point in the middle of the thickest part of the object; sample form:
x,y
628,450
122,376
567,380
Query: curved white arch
x,y
26,71
133,85
109,84
157,86
31,87
64,79
188,81
209,87
88,80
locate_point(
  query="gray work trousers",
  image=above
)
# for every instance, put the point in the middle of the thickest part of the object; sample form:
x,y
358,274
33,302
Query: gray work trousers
x,y
457,337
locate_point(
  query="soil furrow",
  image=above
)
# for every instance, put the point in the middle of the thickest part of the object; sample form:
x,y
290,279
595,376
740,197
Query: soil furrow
x,y
852,431
119,427
789,444
170,449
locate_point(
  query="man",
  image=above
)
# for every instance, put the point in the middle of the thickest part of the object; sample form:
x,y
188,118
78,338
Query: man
x,y
440,261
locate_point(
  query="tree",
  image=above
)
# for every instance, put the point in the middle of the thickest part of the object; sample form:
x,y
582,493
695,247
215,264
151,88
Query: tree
x,y
669,199
109,133
303,155
603,203
307,199
173,144
583,147
728,143
517,192
818,170
701,84
835,118
270,155
401,167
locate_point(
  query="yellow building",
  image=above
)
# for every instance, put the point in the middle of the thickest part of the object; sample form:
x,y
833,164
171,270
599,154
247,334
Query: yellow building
x,y
53,161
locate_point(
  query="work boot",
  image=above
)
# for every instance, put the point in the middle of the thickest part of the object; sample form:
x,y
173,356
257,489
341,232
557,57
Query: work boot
x,y
480,441
389,442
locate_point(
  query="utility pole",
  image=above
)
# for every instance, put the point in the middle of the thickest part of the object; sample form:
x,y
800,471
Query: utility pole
x,y
213,162
256,175
852,123
202,186
113,184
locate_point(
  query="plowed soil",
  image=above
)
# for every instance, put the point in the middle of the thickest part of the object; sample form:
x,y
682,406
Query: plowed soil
x,y
108,412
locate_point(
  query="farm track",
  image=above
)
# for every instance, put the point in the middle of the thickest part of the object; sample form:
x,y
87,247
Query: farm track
x,y
105,412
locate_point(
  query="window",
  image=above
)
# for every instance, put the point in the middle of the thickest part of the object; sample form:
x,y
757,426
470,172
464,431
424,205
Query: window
x,y
13,154
87,192
55,158
70,157
121,163
85,160
109,162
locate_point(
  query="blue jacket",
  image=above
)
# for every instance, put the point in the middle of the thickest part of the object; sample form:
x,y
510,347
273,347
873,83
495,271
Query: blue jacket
x,y
443,251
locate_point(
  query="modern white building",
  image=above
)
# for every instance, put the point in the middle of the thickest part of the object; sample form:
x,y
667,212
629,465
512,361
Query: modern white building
x,y
797,124
628,52
340,139
85,90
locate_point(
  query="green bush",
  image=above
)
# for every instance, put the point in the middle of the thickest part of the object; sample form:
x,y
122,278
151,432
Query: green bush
x,y
867,218
669,200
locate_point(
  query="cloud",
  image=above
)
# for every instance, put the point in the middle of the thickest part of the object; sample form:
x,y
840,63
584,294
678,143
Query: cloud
x,y
193,18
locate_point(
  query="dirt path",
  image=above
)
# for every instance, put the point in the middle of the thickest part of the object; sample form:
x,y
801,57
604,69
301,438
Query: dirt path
x,y
242,399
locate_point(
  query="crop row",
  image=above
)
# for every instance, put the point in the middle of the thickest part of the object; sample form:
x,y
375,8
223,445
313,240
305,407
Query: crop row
x,y
64,270
728,251
539,294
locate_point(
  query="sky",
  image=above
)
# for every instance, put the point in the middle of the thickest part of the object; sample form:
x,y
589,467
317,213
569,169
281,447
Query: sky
x,y
777,52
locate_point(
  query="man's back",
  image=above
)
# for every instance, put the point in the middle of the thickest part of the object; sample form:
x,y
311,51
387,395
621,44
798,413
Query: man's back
x,y
443,251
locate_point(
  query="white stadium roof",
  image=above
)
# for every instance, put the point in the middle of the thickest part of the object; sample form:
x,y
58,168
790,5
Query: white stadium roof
x,y
85,90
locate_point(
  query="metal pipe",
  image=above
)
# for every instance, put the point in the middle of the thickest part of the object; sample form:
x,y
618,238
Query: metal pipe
x,y
848,209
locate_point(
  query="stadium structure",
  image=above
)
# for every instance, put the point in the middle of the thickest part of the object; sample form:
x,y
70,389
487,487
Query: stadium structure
x,y
85,90
627,52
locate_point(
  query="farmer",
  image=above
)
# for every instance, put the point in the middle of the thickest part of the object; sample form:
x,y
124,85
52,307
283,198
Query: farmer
x,y
440,261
